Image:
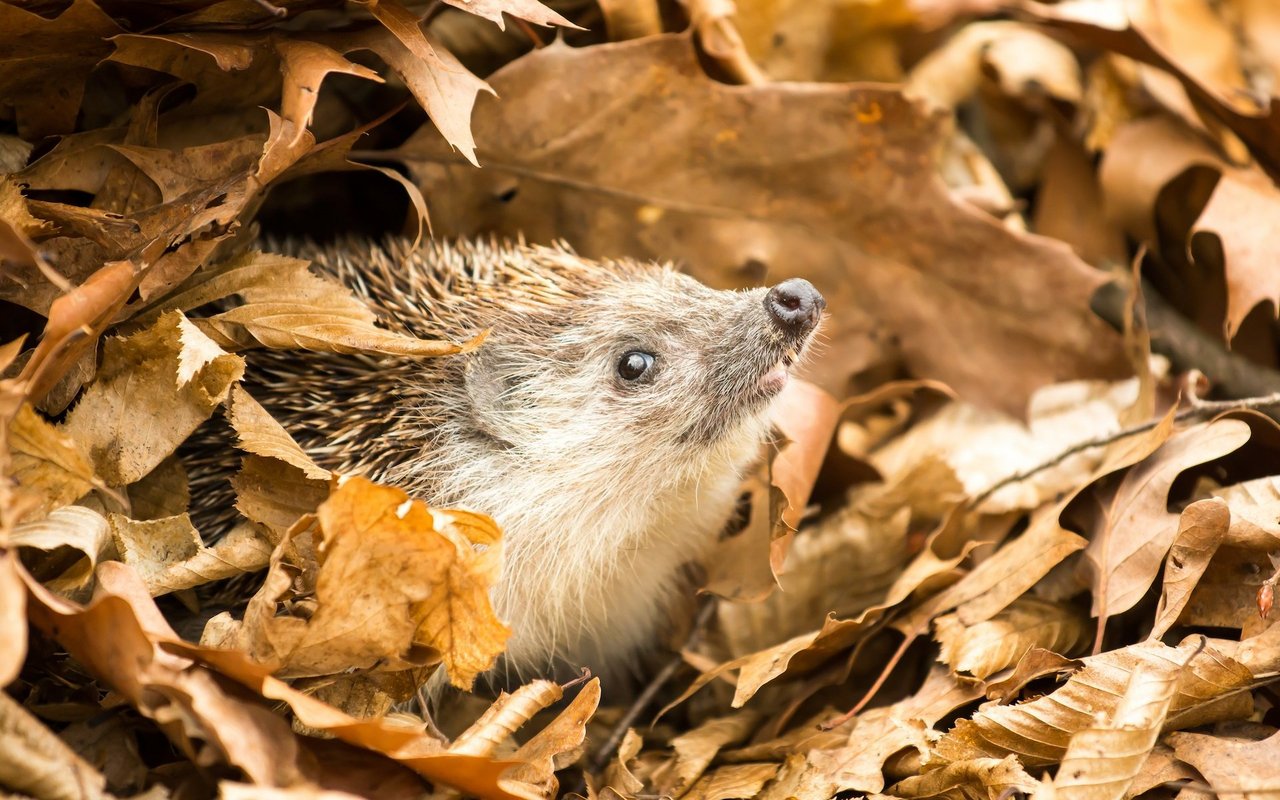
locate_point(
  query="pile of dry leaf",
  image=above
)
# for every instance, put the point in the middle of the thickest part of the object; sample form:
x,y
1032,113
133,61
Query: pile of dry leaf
x,y
1035,476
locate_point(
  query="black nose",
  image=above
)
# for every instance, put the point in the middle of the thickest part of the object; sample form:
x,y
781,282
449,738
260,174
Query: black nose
x,y
795,305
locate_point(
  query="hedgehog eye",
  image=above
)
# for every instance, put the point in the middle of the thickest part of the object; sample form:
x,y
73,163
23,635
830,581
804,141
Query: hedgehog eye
x,y
634,365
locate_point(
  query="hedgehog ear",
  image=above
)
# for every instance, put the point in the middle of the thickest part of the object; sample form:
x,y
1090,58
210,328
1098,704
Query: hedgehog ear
x,y
488,390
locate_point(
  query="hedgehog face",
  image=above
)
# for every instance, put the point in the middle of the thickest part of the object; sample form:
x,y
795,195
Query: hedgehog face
x,y
652,375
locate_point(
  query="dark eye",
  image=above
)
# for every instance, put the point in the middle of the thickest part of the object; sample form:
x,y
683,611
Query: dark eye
x,y
634,365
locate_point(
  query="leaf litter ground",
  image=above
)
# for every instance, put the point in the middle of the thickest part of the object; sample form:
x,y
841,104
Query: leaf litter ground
x,y
1019,551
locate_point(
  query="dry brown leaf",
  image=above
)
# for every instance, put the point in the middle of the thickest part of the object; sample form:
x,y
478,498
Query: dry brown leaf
x,y
162,492
1035,663
978,779
304,66
813,203
1019,56
287,306
35,762
946,548
530,10
1238,216
1143,37
1201,529
1039,731
43,52
444,88
1136,531
879,733
732,781
618,777
506,715
170,374
74,527
47,463
557,745
395,581
1162,766
169,555
190,707
745,567
984,446
1247,767
276,495
983,649
697,748
1102,762
1255,512
86,309
258,432
174,684
13,617
228,790
843,564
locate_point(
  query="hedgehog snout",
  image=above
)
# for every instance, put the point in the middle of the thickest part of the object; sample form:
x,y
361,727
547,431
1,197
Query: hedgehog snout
x,y
795,307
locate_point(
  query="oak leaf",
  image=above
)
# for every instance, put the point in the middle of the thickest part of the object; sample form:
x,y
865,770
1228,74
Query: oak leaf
x,y
394,582
743,184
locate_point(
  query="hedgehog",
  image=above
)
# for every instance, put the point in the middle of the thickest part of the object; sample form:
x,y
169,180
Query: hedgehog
x,y
605,422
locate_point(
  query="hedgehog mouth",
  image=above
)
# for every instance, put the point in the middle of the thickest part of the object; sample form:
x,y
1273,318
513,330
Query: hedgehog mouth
x,y
775,379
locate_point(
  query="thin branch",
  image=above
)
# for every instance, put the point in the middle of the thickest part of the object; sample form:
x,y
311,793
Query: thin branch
x,y
1199,409
602,756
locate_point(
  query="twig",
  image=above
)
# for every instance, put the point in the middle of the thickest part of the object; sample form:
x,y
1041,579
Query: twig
x,y
1197,409
1186,346
528,31
601,757
272,9
832,724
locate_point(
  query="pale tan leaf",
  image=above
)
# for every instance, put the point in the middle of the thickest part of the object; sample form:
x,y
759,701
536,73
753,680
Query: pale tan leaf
x,y
977,779
304,65
985,648
1035,663
695,750
1039,731
1247,767
13,618
879,733
618,777
140,378
1201,529
287,306
1102,762
162,492
228,790
74,527
945,548
1018,55
1161,767
169,555
1255,512
35,762
530,10
1137,530
395,581
258,432
444,88
732,781
274,494
47,462
504,717
559,744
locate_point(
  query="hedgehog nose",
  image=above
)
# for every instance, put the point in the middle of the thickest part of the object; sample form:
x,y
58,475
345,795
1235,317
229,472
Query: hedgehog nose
x,y
795,306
